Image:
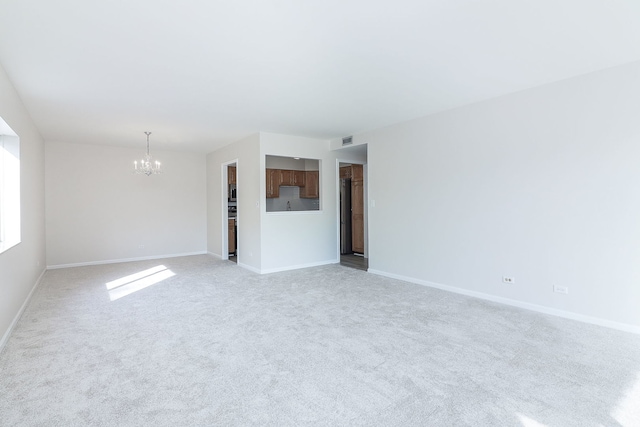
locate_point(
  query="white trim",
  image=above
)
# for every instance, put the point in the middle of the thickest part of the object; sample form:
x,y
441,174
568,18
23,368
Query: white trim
x,y
214,255
224,203
115,261
9,331
515,303
248,267
366,199
299,266
10,190
307,212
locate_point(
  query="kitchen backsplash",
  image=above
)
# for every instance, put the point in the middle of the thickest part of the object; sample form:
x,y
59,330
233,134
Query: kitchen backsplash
x,y
292,195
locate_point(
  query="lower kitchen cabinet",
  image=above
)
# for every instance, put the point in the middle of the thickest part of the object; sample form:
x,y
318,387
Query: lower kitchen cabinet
x,y
357,216
232,236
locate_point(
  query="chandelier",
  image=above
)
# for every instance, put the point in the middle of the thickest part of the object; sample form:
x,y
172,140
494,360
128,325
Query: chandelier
x,y
147,165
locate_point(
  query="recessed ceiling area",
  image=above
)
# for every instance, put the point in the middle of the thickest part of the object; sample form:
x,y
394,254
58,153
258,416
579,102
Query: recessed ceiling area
x,y
202,74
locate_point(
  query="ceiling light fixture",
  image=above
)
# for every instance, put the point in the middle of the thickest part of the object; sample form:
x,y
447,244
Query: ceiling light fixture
x,y
147,165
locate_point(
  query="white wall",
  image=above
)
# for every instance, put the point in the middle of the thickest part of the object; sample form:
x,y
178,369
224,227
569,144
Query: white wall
x,y
22,265
542,185
289,163
273,241
247,154
98,211
298,239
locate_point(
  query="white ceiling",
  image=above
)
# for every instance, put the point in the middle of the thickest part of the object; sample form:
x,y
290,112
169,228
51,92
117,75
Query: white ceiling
x,y
200,74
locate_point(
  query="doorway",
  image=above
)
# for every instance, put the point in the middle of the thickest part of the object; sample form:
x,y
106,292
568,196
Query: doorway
x,y
352,215
230,214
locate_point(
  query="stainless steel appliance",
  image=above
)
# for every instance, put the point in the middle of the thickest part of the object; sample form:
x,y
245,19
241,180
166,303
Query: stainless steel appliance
x,y
345,216
232,192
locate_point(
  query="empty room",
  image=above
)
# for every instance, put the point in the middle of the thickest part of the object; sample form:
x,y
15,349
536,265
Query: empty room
x,y
320,213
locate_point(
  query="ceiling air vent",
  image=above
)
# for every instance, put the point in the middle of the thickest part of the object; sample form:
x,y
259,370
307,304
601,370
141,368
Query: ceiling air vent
x,y
347,140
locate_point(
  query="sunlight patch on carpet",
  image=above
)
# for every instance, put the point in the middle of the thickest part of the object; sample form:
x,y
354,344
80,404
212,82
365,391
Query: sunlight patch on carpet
x,y
529,422
627,412
134,282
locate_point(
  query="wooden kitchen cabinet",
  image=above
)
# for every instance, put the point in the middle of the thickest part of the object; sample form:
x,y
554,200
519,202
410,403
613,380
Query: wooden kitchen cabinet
x,y
357,208
357,173
232,236
345,172
311,189
286,177
292,177
308,181
273,183
231,175
299,178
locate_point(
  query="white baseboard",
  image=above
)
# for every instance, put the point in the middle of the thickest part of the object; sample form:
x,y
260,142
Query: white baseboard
x,y
515,303
13,324
214,255
248,267
115,261
297,267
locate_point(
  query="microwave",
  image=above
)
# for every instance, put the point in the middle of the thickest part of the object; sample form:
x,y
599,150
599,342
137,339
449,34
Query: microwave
x,y
232,193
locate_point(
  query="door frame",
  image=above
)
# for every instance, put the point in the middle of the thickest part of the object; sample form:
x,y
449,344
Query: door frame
x,y
365,189
224,203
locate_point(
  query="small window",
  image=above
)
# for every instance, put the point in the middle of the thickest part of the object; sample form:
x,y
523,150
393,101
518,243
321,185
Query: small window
x,y
292,184
9,187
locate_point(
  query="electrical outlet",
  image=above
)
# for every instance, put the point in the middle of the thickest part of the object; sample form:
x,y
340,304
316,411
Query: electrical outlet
x,y
561,289
141,246
509,280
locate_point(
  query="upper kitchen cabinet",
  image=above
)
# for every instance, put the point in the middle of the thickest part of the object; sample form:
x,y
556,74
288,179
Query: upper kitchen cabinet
x,y
273,183
294,178
357,173
231,175
286,177
292,184
299,178
311,190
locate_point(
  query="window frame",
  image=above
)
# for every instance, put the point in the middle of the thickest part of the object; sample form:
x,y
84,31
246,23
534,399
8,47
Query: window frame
x,y
10,229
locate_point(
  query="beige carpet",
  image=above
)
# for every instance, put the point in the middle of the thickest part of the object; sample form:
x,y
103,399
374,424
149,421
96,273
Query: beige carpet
x,y
196,342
